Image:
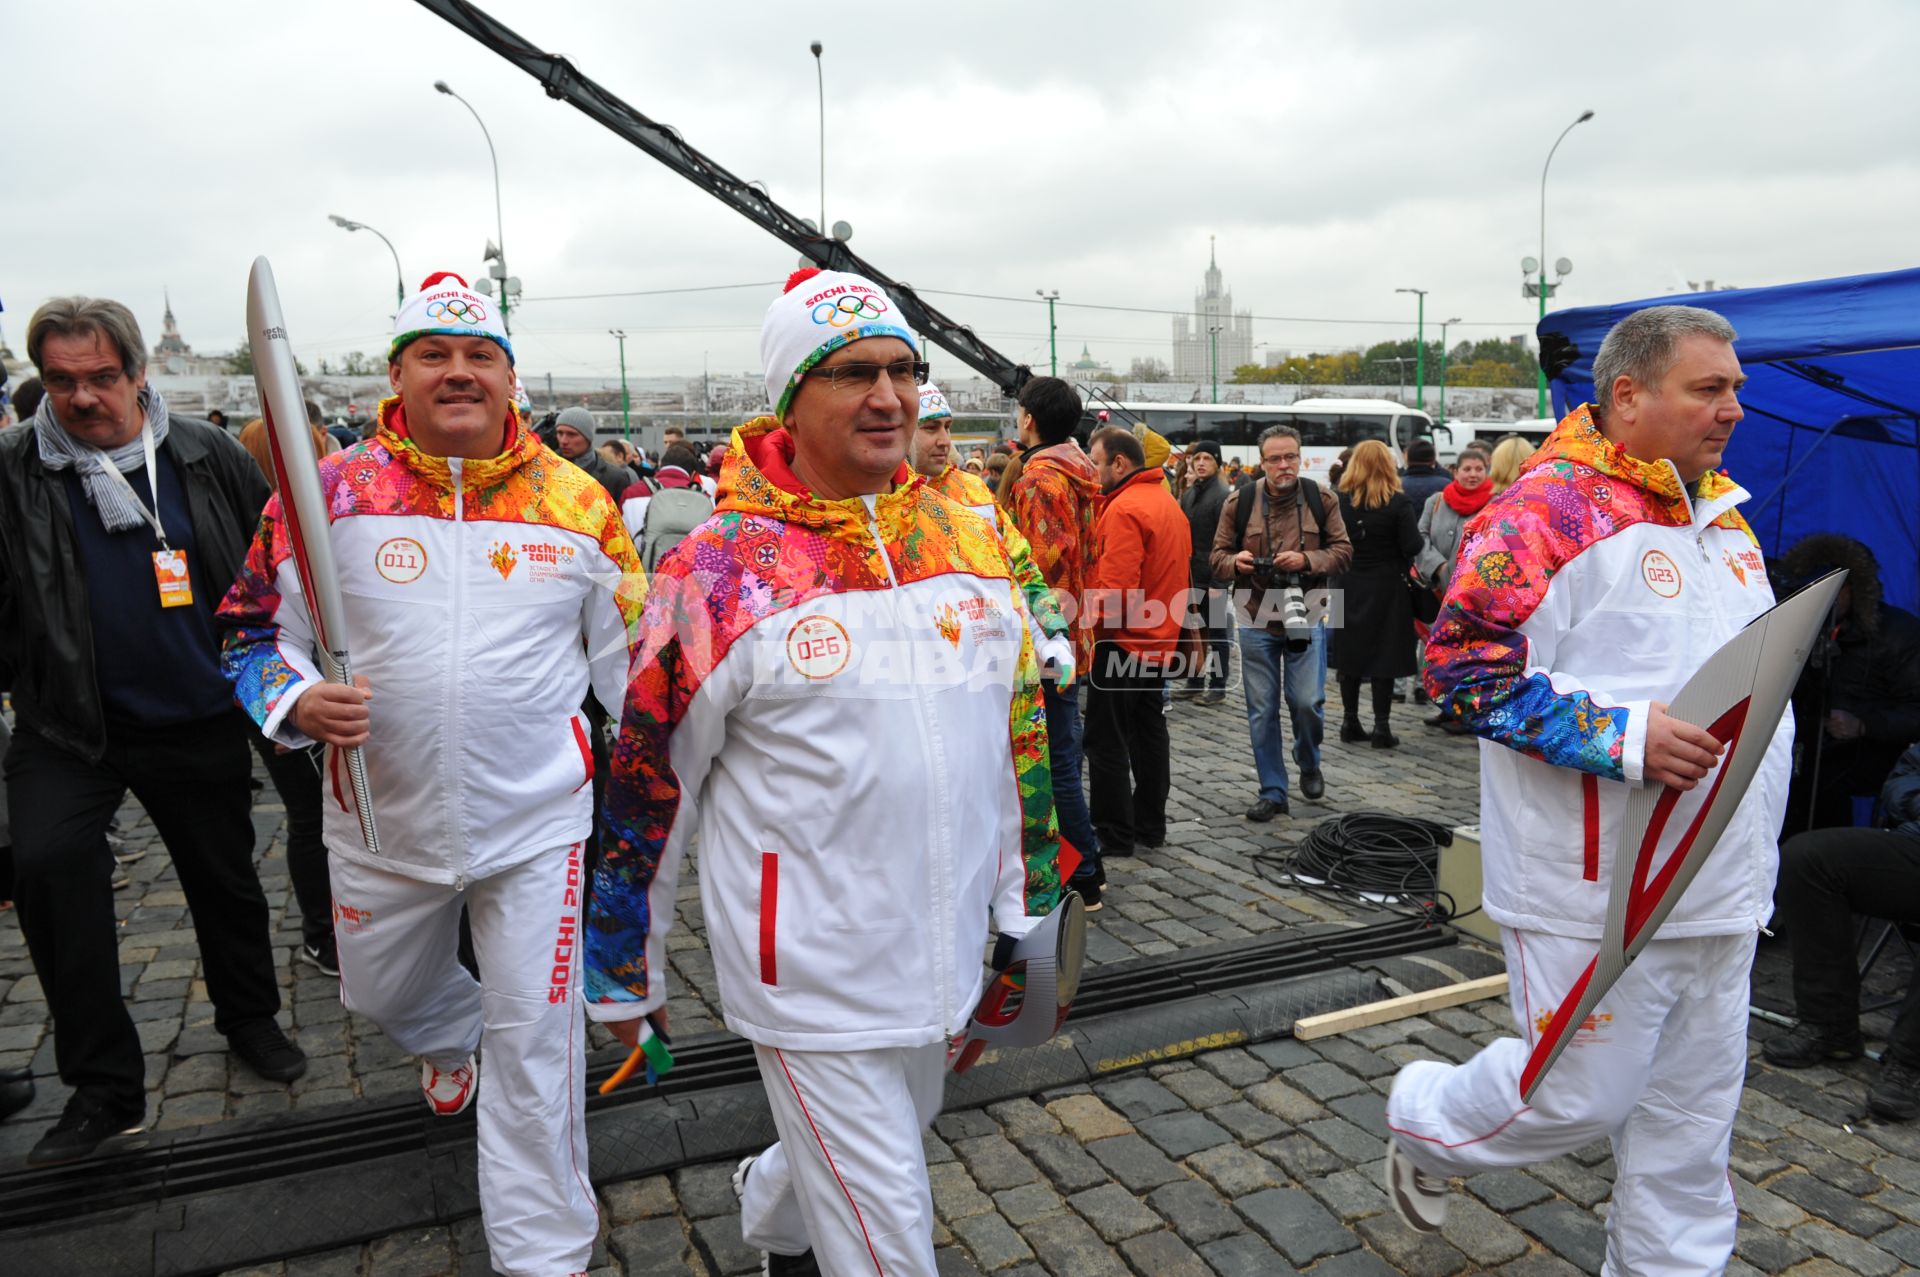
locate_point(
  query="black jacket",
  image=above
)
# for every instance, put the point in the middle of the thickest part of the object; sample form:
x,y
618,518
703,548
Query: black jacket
x,y
46,632
1202,504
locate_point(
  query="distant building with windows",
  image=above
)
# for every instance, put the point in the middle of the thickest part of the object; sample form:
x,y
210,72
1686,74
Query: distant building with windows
x,y
171,354
1193,338
1087,368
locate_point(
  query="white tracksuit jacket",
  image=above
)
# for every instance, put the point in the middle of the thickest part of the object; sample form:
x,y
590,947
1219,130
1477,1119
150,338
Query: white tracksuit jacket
x,y
481,596
1592,586
842,695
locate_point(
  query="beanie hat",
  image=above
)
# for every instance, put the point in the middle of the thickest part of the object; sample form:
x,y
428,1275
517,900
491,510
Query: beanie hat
x,y
576,418
819,312
933,404
1207,446
445,305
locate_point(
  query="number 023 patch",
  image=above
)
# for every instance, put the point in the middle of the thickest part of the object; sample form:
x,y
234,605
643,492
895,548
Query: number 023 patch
x,y
818,647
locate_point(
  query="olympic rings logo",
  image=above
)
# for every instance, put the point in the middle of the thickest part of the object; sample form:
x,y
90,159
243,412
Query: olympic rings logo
x,y
844,311
459,310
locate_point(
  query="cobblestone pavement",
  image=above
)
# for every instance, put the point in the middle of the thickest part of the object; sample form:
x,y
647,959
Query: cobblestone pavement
x,y
1262,1160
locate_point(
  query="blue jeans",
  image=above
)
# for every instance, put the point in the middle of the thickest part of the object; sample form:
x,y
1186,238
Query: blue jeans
x,y
1069,796
1263,657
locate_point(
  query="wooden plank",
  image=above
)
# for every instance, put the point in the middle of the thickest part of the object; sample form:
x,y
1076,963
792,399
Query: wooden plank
x,y
1452,995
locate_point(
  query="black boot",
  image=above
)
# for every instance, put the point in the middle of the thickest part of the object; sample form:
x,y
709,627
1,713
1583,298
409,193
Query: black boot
x,y
16,1091
1895,1094
1812,1044
1383,737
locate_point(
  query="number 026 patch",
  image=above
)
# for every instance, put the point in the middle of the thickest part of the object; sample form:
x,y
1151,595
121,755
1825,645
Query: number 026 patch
x,y
818,647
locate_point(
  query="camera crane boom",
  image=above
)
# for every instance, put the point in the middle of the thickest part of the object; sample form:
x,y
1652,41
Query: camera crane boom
x,y
562,80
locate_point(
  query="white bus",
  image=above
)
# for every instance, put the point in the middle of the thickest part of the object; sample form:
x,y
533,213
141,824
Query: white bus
x,y
1326,426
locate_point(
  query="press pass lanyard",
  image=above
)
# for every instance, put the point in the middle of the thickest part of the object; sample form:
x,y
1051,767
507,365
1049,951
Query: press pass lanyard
x,y
169,565
153,482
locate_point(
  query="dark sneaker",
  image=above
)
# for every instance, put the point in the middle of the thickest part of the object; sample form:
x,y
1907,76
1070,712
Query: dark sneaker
x,y
1089,893
1807,1046
771,1264
1186,692
1214,697
1419,1199
1116,848
266,1050
1313,786
1385,740
1895,1094
1454,727
1266,809
16,1091
1353,733
83,1127
322,958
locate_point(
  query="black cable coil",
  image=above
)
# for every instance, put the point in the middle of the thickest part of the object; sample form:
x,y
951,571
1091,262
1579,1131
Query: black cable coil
x,y
1368,858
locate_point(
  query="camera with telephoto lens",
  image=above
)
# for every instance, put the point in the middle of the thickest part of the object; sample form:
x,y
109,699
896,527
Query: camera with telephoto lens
x,y
1294,618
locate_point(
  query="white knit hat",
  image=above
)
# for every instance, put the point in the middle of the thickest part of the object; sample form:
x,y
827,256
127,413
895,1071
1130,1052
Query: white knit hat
x,y
821,311
933,404
445,305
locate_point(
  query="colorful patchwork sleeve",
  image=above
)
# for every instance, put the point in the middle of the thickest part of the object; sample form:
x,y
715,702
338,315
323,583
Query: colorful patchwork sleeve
x,y
610,615
1027,575
1029,886
672,726
1044,511
1500,679
267,649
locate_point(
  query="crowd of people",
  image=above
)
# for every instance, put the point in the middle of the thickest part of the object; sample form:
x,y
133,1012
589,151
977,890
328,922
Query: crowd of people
x,y
903,702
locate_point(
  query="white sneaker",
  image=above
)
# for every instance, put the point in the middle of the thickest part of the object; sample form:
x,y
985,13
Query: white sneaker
x,y
1419,1199
449,1092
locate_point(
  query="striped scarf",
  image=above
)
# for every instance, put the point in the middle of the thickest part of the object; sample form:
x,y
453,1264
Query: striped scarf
x,y
60,451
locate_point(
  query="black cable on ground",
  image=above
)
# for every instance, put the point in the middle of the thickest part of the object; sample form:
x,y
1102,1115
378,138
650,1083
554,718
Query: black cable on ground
x,y
1369,859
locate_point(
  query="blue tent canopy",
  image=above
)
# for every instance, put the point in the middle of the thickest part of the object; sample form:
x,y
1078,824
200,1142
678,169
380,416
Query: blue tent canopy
x,y
1831,439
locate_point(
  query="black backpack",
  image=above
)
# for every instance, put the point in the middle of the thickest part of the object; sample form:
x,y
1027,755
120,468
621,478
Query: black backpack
x,y
1256,491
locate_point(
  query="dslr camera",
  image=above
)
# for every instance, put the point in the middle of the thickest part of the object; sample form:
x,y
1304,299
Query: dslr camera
x,y
1292,588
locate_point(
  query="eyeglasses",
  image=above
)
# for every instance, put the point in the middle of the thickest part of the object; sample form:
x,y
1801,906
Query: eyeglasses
x,y
99,383
905,374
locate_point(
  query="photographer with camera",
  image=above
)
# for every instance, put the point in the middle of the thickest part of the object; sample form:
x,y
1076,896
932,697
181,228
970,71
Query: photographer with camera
x,y
1279,538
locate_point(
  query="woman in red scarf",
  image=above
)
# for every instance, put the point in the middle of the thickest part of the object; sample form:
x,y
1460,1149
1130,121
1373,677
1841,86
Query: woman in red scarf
x,y
1443,526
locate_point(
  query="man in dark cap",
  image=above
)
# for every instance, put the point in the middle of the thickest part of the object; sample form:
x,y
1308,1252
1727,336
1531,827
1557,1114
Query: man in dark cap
x,y
1206,495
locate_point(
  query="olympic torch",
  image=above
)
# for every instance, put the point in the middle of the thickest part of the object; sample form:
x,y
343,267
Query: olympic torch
x,y
302,506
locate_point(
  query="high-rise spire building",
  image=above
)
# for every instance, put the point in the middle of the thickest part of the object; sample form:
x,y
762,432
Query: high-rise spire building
x,y
1194,343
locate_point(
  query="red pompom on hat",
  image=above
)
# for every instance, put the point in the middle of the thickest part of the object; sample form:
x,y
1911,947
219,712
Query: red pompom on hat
x,y
439,275
800,277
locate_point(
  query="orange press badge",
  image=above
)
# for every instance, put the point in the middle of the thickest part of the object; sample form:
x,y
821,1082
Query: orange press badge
x,y
170,570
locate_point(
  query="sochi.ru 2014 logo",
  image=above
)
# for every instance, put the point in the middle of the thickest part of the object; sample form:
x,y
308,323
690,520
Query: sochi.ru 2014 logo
x,y
504,560
400,560
1661,574
459,310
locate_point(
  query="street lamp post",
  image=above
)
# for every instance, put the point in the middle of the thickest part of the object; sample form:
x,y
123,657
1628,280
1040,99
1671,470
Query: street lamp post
x,y
1213,341
820,78
1540,405
1053,333
499,225
626,406
399,276
1419,348
1443,366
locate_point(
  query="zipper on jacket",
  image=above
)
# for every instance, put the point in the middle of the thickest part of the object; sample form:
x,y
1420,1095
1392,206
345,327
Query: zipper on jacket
x,y
455,736
942,860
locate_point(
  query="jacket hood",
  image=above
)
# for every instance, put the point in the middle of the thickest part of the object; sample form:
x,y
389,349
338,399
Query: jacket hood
x,y
522,446
1579,441
757,479
1814,555
1071,462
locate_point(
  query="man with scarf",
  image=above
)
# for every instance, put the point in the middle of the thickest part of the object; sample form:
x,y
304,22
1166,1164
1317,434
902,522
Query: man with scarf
x,y
124,525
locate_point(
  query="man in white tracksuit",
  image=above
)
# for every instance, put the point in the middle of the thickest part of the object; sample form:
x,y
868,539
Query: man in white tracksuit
x,y
1587,593
836,685
487,584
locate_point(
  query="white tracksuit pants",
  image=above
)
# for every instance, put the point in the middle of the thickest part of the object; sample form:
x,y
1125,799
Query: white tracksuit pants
x,y
398,939
848,1178
1657,1069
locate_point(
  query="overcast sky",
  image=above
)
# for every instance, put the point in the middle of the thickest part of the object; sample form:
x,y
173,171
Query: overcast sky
x,y
1338,151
